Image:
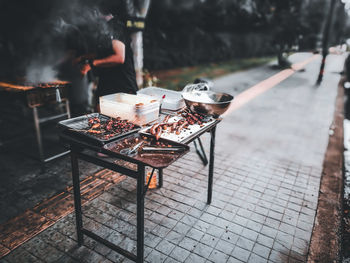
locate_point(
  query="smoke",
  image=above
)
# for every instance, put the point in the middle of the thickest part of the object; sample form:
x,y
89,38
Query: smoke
x,y
37,73
35,35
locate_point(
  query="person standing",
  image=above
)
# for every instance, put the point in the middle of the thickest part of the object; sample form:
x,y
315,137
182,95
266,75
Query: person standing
x,y
113,62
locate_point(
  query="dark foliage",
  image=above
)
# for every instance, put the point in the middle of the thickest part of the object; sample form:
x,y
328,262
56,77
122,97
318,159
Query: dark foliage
x,y
214,30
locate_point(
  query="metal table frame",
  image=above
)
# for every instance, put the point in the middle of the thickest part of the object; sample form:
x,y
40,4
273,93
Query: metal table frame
x,y
38,121
31,94
87,152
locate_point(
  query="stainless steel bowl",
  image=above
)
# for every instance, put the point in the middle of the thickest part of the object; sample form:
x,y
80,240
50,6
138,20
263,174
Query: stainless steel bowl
x,y
207,102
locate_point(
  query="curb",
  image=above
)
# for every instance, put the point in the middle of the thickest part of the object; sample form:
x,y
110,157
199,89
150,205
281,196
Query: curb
x,y
325,243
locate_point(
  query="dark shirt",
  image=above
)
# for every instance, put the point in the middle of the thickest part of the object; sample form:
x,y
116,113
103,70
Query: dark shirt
x,y
121,77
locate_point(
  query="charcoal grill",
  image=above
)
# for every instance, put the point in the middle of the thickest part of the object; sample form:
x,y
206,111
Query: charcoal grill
x,y
37,95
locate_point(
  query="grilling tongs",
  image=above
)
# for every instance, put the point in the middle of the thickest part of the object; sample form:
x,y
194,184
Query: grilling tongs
x,y
132,151
162,149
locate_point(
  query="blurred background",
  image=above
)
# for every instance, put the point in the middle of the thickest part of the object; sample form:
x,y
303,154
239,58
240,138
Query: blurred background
x,y
177,33
174,42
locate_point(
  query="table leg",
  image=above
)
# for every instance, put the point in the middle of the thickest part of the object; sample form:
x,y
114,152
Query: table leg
x,y
77,197
68,109
211,164
38,134
160,178
140,212
200,151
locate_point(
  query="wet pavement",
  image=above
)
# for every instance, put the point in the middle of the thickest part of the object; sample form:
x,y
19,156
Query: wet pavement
x,y
269,157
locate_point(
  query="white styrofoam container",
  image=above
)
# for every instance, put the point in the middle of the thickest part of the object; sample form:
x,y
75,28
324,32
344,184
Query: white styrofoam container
x,y
172,101
123,105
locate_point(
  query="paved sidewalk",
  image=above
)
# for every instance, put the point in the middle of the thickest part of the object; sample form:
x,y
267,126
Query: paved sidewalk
x,y
269,156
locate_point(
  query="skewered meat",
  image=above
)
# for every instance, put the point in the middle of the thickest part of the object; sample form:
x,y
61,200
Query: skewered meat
x,y
96,125
159,132
107,129
178,130
187,119
166,118
153,128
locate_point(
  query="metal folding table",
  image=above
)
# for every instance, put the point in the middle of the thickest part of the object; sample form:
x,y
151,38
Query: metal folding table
x,y
87,151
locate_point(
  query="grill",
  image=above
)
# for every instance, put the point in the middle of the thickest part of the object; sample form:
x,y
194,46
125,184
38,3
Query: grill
x,y
36,95
39,94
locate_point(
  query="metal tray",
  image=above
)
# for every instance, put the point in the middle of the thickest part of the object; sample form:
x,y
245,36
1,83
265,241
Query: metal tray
x,y
155,160
75,125
186,134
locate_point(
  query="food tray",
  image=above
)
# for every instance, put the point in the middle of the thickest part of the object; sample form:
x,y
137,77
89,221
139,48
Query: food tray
x,y
75,126
185,134
155,160
173,100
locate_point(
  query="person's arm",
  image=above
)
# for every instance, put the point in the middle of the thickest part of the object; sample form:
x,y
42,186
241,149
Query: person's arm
x,y
118,57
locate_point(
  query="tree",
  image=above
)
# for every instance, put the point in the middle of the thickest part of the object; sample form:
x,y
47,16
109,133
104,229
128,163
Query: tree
x,y
285,23
325,41
138,9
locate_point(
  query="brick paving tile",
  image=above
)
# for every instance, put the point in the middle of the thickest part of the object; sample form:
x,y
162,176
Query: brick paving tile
x,y
170,260
284,248
195,258
277,257
195,234
66,259
168,222
256,259
83,254
180,254
250,234
99,248
233,260
152,240
300,243
252,225
115,257
201,225
230,237
209,240
160,231
224,247
188,243
261,250
40,249
174,237
218,256
241,254
298,254
165,247
203,250
215,231
245,243
189,220
241,221
21,255
156,256
264,240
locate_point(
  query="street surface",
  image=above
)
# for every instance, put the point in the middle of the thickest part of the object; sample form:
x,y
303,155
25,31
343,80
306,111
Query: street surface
x,y
269,157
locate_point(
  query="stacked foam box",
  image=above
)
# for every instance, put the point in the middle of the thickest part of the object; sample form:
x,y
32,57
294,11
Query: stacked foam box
x,y
139,109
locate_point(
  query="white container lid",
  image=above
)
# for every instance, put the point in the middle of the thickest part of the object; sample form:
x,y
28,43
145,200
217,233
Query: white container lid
x,y
172,101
